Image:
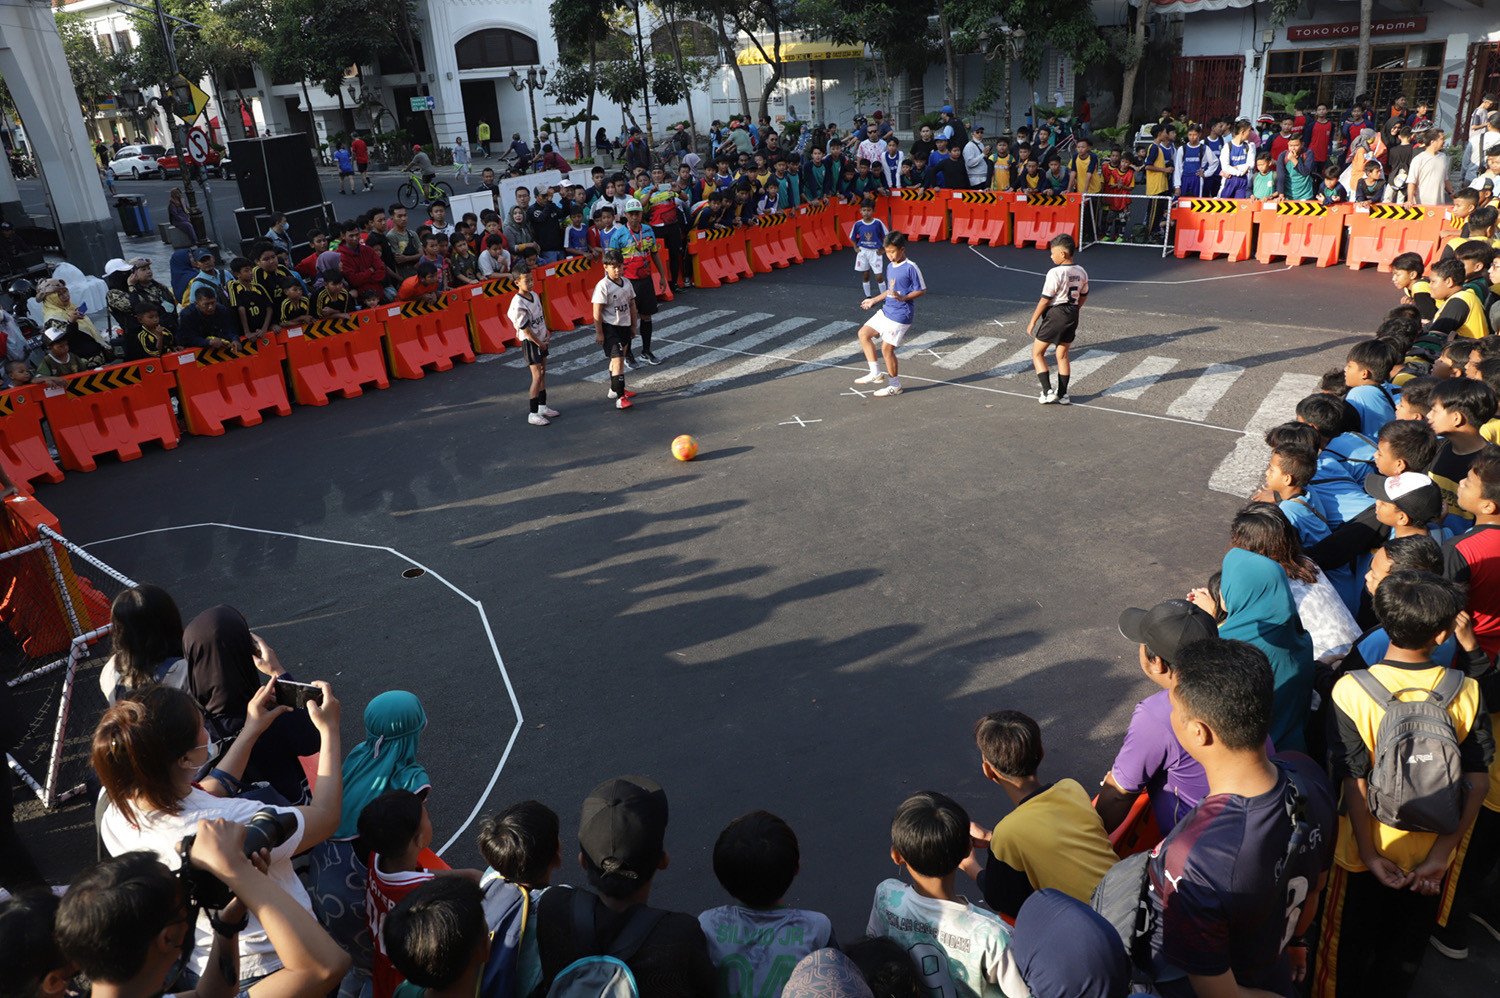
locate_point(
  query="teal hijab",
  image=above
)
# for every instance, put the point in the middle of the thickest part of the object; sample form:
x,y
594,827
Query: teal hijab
x,y
1261,611
386,759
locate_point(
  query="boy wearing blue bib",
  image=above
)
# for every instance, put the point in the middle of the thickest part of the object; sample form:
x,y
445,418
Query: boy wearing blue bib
x,y
868,237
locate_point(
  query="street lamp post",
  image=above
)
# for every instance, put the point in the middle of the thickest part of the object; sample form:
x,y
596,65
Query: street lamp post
x,y
534,80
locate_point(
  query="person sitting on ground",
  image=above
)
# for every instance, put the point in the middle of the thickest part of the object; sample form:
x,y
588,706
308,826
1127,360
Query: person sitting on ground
x,y
124,923
1151,760
334,299
58,305
60,361
385,760
755,942
930,840
1367,372
1345,457
1291,467
225,664
1460,408
523,848
1065,949
1234,887
147,752
146,630
1052,837
826,973
1414,553
622,846
360,262
888,969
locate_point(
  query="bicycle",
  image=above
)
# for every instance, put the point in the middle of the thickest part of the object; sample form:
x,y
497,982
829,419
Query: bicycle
x,y
416,190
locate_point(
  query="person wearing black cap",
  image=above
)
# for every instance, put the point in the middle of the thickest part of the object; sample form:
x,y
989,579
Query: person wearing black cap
x,y
622,845
1152,760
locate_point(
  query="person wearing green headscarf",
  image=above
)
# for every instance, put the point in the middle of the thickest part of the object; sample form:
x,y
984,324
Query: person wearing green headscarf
x,y
385,760
1261,611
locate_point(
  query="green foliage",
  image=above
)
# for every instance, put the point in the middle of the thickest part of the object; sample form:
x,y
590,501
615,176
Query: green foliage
x,y
1115,134
1288,103
1283,9
96,76
1048,111
392,147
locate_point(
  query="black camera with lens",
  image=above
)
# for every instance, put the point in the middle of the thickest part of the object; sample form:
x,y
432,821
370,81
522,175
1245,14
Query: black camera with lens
x,y
267,829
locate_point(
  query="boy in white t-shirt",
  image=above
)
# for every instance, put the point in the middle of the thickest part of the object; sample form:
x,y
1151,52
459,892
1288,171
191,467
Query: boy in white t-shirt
x,y
614,323
959,949
1055,321
525,314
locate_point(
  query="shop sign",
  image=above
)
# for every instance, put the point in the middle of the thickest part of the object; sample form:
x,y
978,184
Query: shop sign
x,y
1350,29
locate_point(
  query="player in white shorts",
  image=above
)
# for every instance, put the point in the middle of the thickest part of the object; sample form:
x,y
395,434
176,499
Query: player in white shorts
x,y
868,237
903,285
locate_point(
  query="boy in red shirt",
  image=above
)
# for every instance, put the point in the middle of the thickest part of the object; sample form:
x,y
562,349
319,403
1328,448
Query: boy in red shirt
x,y
1119,178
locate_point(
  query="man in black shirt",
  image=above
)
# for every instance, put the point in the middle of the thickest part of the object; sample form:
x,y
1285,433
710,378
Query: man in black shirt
x,y
205,324
622,836
546,224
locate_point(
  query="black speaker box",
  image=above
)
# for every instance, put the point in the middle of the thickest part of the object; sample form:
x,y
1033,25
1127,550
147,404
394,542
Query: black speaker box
x,y
276,173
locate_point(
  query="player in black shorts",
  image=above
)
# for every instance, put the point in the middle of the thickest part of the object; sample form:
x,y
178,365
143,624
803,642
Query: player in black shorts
x,y
525,313
615,318
1055,321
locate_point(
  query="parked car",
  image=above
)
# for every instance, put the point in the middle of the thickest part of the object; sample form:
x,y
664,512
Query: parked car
x,y
215,164
136,162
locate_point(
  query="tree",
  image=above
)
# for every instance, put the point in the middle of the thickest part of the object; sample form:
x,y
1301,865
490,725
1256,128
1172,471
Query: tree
x,y
96,75
753,18
1135,51
397,25
1362,56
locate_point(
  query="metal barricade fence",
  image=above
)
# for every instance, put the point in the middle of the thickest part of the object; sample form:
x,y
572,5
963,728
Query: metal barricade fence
x,y
1101,221
55,609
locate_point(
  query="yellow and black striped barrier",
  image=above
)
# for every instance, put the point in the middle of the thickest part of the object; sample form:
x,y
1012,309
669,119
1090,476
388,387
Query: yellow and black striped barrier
x,y
218,355
1046,200
106,380
321,328
1212,206
1406,212
914,194
710,235
498,286
1301,208
978,197
567,268
767,221
413,309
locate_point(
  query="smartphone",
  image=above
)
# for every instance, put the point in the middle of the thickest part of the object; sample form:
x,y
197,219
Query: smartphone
x,y
297,695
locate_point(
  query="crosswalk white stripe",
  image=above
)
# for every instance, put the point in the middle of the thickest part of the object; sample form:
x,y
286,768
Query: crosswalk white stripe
x,y
590,359
923,340
972,350
711,356
1243,468
1012,365
646,378
583,336
1147,373
1086,363
1209,387
755,365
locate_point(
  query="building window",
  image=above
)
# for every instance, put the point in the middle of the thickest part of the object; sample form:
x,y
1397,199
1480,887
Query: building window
x,y
496,47
1410,71
105,44
123,42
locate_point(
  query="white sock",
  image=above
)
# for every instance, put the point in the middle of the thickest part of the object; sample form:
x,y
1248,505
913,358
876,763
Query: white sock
x,y
874,367
894,381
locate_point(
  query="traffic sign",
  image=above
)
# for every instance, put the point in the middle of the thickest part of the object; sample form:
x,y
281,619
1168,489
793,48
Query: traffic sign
x,y
423,103
197,145
188,99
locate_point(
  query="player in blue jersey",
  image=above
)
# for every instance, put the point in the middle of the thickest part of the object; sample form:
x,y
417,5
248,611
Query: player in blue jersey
x,y
868,236
903,285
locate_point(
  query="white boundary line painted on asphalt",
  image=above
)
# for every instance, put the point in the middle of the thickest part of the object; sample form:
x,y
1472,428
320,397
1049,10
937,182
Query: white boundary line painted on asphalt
x,y
1206,391
1147,373
478,606
813,364
1122,280
1243,467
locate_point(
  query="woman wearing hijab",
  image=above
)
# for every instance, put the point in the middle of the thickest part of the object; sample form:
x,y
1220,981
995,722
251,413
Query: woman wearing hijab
x,y
1259,610
177,215
87,341
385,760
225,663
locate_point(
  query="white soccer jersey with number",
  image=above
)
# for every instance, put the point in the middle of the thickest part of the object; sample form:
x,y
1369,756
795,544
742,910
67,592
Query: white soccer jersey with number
x,y
526,314
1065,285
616,301
960,951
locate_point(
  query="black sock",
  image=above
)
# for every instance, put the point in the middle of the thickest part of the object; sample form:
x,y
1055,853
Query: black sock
x,y
535,403
1062,383
645,336
617,383
1045,377
542,397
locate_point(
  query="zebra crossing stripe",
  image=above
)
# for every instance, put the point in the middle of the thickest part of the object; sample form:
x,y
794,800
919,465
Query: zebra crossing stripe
x,y
577,339
1147,373
755,365
1087,362
712,355
643,378
847,352
970,351
593,356
1209,387
1012,365
923,340
1244,467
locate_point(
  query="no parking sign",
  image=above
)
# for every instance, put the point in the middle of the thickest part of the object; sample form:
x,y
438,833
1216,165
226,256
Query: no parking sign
x,y
197,145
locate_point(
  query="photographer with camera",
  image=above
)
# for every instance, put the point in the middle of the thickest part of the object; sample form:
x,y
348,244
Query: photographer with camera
x,y
148,751
126,924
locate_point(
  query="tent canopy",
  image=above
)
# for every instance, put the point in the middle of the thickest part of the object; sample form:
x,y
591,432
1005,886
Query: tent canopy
x,y
1188,6
813,51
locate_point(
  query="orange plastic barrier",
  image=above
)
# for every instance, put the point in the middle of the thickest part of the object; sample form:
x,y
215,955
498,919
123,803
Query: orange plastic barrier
x,y
919,214
42,626
719,257
1378,233
1214,227
419,336
490,328
980,218
659,278
1300,231
1036,219
111,411
334,355
815,231
567,288
772,242
846,213
23,448
239,383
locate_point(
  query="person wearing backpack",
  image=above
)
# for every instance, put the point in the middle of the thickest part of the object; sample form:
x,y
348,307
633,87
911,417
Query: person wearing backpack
x,y
1235,884
523,849
1410,746
612,942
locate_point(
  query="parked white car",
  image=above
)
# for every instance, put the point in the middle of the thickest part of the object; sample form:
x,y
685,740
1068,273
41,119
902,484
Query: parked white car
x,y
136,162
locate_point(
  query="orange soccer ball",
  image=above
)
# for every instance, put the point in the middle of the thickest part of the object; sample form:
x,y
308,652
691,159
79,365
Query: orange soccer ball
x,y
684,448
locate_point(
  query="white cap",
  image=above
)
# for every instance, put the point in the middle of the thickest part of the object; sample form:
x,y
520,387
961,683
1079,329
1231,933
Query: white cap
x,y
632,204
56,330
115,266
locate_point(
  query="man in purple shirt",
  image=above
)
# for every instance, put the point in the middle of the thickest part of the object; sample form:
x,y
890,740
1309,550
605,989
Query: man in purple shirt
x,y
1152,760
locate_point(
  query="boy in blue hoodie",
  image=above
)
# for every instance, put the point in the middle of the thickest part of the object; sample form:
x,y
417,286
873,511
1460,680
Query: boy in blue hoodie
x,y
1366,372
1345,457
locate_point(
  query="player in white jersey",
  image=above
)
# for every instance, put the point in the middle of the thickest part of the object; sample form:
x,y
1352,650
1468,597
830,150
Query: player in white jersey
x,y
1055,321
525,313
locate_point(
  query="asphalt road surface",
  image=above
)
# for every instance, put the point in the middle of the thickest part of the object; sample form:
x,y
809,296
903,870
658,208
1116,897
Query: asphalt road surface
x,y
808,618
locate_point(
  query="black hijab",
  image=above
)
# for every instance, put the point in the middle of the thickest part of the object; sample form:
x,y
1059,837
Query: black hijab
x,y
221,667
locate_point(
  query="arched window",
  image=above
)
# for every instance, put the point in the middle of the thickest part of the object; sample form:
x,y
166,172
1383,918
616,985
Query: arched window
x,y
696,39
496,47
